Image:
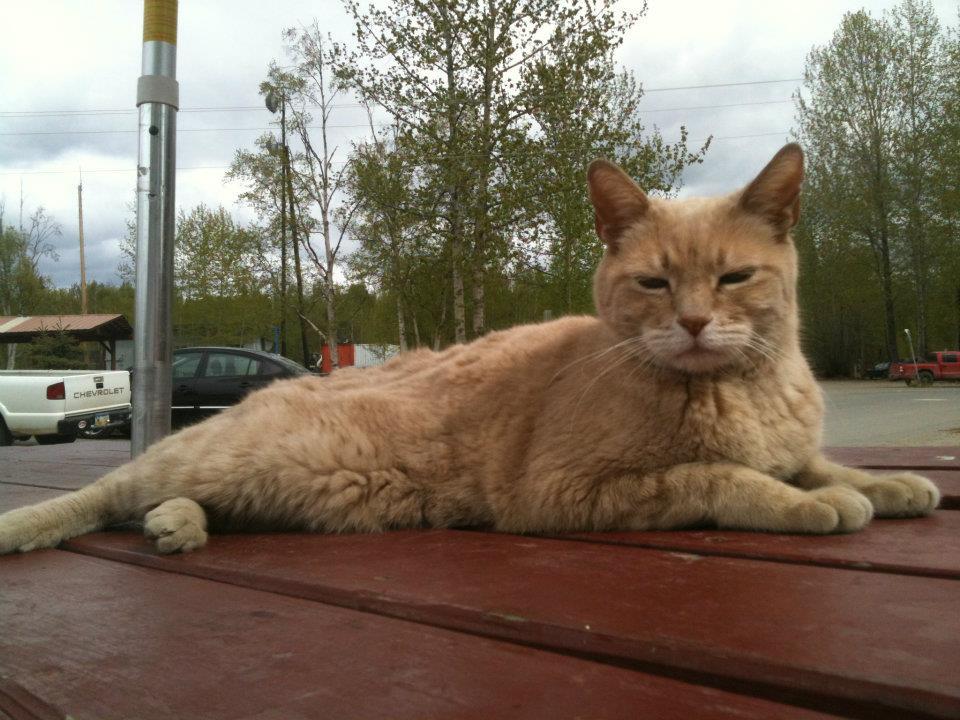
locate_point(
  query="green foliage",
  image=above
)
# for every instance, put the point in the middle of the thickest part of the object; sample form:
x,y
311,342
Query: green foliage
x,y
879,233
475,196
20,283
53,350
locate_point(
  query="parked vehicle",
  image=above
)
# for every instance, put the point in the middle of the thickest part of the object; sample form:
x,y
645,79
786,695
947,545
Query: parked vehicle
x,y
55,405
880,371
207,380
943,365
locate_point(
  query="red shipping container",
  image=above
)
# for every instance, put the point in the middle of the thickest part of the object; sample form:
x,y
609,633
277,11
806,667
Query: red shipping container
x,y
345,350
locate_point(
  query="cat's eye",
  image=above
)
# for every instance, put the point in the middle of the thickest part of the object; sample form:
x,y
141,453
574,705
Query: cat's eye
x,y
734,278
653,283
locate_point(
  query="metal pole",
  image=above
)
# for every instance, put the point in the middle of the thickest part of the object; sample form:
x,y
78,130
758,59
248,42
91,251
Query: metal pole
x,y
157,100
83,263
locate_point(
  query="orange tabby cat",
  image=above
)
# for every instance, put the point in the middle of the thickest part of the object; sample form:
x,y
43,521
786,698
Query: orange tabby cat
x,y
686,401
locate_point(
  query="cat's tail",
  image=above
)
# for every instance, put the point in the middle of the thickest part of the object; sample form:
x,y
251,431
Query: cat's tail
x,y
114,498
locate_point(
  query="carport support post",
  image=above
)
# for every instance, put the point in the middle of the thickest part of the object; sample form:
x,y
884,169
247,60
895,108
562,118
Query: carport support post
x,y
157,100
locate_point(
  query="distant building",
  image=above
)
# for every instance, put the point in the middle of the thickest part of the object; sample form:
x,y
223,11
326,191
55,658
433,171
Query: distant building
x,y
354,355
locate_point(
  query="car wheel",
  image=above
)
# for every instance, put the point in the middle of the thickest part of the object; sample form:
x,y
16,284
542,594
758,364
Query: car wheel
x,y
926,378
54,439
6,437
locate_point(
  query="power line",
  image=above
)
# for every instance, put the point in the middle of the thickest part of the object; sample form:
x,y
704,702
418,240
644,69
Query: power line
x,y
716,85
353,125
782,133
244,108
311,127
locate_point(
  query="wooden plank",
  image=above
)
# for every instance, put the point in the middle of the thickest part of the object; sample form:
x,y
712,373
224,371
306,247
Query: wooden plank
x,y
63,477
14,496
105,640
81,451
949,483
921,546
855,642
907,458
17,703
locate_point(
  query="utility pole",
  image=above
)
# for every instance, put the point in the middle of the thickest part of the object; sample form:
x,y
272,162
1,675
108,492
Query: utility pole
x,y
271,103
283,236
305,347
158,98
83,264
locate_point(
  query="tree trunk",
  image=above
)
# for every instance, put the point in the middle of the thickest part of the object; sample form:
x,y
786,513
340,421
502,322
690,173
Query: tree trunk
x,y
454,183
459,309
889,317
482,208
331,322
401,325
479,321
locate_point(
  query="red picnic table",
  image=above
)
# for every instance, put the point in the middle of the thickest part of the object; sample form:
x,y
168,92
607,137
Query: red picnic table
x,y
465,624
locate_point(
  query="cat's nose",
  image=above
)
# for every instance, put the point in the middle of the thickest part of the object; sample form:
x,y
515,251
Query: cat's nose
x,y
694,324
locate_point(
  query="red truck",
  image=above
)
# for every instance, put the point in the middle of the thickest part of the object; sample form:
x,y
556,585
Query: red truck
x,y
943,365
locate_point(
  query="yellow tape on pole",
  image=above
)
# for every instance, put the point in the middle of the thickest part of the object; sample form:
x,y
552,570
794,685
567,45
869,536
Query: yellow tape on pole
x,y
160,20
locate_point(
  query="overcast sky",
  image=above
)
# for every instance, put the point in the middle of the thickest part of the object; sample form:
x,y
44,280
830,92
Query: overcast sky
x,y
69,69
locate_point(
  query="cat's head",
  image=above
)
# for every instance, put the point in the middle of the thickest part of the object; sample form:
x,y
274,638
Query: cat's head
x,y
705,284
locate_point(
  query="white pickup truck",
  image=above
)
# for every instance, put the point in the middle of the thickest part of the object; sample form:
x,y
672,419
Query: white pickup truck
x,y
54,405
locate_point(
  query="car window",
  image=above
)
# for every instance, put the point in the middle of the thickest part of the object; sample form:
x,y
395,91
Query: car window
x,y
185,365
950,358
288,366
270,369
221,364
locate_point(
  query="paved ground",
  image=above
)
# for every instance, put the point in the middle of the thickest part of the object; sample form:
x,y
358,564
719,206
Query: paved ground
x,y
865,413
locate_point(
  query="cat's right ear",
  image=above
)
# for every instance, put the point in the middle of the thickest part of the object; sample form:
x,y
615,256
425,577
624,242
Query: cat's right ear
x,y
617,201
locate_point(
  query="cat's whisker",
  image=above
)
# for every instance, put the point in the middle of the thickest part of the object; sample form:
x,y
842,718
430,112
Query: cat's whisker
x,y
632,341
591,356
764,348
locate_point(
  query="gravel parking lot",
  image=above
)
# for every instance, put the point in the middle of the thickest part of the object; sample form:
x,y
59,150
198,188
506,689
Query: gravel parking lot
x,y
861,413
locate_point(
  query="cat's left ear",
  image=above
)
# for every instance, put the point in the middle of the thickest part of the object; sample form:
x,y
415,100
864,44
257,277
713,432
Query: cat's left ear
x,y
617,200
775,193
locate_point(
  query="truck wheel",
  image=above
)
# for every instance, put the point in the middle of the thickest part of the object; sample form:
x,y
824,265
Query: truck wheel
x,y
6,437
55,439
925,377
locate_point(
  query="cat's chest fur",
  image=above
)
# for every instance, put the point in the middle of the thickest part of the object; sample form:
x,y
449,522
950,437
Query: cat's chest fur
x,y
772,426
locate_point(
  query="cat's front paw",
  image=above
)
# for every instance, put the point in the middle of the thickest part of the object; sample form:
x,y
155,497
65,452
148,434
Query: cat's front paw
x,y
22,530
834,509
178,525
902,495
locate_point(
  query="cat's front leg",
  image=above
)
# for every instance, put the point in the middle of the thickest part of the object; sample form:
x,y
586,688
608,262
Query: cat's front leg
x,y
724,494
901,494
738,497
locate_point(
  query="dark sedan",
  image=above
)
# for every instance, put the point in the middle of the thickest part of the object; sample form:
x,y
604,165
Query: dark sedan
x,y
209,379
